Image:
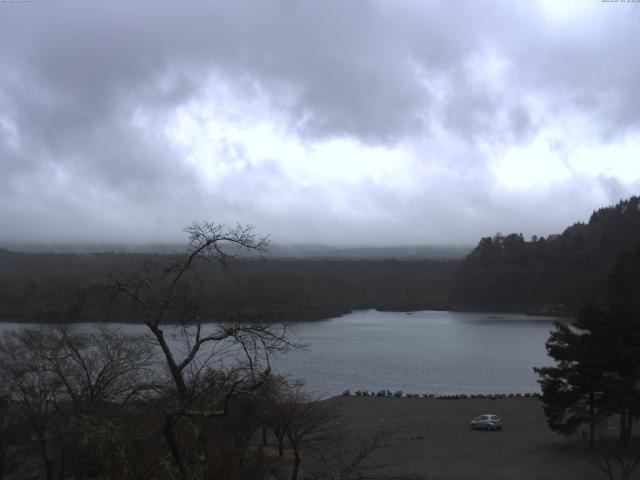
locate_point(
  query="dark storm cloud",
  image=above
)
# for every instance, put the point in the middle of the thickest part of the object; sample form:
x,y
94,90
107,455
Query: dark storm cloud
x,y
77,77
350,67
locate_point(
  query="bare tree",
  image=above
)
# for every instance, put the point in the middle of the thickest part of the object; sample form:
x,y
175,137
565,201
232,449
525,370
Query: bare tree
x,y
273,412
313,431
349,457
308,421
58,378
33,391
208,365
5,430
95,399
616,463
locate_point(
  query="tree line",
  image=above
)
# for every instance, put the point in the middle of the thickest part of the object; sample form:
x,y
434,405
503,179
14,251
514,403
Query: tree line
x,y
548,275
502,273
38,287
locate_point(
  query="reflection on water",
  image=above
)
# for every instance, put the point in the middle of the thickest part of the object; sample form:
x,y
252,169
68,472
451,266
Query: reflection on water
x,y
418,352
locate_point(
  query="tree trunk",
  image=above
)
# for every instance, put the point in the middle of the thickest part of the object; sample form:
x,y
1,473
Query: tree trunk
x,y
175,372
61,469
592,419
296,463
167,429
3,458
280,445
625,431
44,451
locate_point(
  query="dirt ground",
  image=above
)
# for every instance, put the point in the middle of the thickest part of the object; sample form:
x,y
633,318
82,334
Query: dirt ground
x,y
437,443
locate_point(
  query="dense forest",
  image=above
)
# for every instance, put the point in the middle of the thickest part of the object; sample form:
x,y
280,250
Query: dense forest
x,y
505,272
548,275
42,286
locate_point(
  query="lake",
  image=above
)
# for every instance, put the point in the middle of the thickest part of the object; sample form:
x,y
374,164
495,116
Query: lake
x,y
417,352
421,352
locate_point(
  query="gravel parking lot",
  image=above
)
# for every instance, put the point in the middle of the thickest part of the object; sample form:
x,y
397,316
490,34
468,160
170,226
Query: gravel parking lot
x,y
436,441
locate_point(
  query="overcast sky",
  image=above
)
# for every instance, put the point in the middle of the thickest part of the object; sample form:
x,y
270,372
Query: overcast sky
x,y
336,122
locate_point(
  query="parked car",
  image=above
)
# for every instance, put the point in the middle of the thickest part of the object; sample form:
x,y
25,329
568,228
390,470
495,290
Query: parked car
x,y
488,421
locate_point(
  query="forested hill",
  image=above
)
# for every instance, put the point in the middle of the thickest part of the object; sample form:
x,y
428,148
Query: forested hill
x,y
42,286
552,275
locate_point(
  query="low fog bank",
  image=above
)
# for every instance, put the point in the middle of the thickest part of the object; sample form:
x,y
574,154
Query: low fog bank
x,y
279,251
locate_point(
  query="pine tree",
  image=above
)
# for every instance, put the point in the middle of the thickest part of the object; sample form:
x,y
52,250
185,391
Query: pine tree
x,y
597,371
572,391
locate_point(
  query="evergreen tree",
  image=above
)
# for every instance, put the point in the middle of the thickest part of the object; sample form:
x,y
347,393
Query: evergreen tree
x,y
572,391
622,340
597,372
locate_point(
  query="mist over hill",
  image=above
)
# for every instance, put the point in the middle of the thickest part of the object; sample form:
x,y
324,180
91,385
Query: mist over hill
x,y
550,275
276,250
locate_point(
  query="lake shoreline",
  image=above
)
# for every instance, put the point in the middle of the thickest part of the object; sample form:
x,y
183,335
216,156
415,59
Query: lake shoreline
x,y
301,316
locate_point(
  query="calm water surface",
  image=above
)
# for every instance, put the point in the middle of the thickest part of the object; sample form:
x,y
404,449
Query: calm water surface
x,y
421,352
417,352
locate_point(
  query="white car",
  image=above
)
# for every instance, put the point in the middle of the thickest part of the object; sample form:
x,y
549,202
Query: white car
x,y
488,421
